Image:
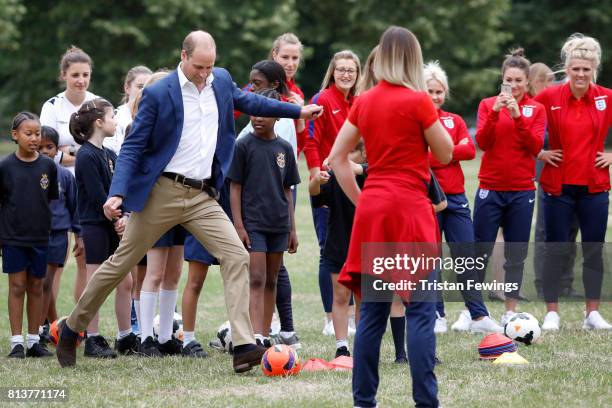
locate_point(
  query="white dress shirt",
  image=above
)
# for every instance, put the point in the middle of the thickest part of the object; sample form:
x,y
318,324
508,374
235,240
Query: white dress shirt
x,y
196,149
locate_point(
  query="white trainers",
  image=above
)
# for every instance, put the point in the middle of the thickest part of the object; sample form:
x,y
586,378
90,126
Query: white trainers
x,y
328,330
463,322
506,317
552,321
485,325
351,326
440,326
594,321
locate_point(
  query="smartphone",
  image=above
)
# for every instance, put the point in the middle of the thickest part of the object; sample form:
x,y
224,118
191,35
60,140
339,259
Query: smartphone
x,y
506,88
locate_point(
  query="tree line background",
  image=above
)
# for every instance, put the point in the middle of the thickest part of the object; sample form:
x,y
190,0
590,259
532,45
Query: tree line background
x,y
469,38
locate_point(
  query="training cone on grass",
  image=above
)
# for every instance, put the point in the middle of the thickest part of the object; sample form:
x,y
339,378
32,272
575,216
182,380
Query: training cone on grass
x,y
511,358
342,363
494,345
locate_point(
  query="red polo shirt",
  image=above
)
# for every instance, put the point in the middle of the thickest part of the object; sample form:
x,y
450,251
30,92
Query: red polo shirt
x,y
450,176
322,132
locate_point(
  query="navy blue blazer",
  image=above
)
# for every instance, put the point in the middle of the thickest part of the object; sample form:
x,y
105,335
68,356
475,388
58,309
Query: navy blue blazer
x,y
157,129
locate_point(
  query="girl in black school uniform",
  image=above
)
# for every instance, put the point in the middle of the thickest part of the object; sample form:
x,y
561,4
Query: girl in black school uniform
x,y
94,169
28,182
261,174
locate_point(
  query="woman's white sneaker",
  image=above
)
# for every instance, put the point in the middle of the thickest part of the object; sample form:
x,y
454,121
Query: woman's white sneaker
x,y
440,326
551,321
485,325
594,321
463,322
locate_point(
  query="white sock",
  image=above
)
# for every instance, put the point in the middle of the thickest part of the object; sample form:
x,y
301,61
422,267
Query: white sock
x,y
92,334
137,308
123,333
188,337
341,343
167,305
286,334
32,339
15,340
148,302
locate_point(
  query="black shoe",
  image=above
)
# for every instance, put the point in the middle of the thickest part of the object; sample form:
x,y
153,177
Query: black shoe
x,y
246,360
38,350
127,345
45,338
65,349
342,351
194,349
172,347
17,352
401,360
149,348
267,343
97,347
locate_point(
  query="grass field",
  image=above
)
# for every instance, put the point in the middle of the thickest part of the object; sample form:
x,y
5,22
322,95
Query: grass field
x,y
570,369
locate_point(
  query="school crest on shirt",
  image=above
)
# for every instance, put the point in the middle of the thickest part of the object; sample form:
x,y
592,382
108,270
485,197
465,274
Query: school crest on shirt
x,y
528,111
482,193
44,181
600,104
280,160
449,122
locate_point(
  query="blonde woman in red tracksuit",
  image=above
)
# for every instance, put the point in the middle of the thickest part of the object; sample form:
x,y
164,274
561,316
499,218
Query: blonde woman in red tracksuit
x,y
510,131
576,176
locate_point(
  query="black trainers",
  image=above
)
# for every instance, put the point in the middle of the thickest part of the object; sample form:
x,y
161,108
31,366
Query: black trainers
x,y
172,347
267,343
194,349
149,348
127,345
17,352
45,338
38,350
97,347
342,351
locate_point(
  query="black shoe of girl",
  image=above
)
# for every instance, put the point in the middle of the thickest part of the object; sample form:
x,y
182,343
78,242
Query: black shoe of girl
x,y
172,347
401,360
17,352
342,351
45,338
97,347
127,345
267,343
194,350
38,350
149,348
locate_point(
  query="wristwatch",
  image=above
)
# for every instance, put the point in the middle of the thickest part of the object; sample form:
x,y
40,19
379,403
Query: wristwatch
x,y
72,150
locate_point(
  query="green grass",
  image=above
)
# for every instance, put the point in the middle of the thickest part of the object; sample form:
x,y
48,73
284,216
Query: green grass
x,y
568,369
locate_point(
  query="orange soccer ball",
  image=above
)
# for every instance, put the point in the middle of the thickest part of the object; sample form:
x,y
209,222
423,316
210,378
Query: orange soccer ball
x,y
54,331
280,360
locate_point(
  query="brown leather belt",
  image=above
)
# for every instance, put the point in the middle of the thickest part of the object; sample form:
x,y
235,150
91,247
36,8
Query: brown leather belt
x,y
202,185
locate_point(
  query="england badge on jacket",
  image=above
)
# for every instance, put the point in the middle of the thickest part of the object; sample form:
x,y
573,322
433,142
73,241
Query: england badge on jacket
x,y
448,122
528,111
600,103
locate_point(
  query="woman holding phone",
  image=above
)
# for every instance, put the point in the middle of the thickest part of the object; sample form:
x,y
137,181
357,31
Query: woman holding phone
x,y
510,131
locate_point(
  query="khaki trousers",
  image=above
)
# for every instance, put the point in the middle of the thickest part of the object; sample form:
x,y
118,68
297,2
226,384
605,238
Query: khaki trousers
x,y
170,204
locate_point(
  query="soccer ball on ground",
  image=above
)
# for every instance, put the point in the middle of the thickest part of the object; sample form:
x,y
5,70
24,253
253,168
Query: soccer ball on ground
x,y
523,327
280,360
177,326
54,331
224,334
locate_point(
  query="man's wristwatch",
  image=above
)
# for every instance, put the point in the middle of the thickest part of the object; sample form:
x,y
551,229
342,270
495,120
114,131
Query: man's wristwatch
x,y
72,150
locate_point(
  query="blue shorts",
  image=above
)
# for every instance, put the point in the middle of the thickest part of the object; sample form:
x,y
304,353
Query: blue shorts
x,y
33,260
100,241
268,241
58,248
330,266
174,236
195,252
